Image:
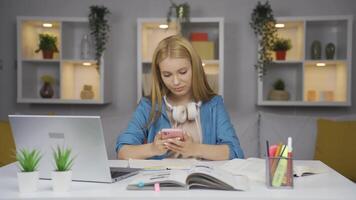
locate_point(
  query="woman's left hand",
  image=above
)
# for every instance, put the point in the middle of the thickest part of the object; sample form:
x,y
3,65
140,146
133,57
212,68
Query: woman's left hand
x,y
184,146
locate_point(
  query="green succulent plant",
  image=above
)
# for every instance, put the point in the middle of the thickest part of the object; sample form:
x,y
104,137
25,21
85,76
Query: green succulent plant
x,y
279,84
63,158
47,43
282,44
28,159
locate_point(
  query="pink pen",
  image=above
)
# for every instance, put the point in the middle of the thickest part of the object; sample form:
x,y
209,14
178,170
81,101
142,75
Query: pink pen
x,y
157,187
272,150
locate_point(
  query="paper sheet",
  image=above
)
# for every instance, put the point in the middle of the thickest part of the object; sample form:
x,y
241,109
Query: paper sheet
x,y
253,168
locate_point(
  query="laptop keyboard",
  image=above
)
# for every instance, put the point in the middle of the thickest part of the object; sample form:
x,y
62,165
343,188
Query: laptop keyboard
x,y
115,174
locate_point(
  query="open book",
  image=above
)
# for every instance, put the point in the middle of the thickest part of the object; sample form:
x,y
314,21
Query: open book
x,y
303,170
255,168
198,177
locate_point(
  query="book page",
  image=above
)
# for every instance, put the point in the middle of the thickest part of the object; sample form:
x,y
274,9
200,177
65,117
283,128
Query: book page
x,y
303,170
162,164
253,168
205,176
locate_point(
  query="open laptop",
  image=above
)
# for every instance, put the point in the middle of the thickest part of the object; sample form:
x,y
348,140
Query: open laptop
x,y
83,134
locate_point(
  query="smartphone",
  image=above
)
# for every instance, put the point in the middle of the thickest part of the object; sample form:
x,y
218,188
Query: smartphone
x,y
172,133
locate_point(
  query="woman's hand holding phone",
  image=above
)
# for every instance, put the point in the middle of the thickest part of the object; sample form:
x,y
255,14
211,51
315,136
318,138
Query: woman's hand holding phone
x,y
159,145
186,146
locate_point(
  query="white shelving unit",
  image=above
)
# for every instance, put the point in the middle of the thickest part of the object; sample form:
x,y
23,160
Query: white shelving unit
x,y
300,72
66,67
149,35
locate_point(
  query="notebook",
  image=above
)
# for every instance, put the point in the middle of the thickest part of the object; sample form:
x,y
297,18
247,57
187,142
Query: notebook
x,y
83,134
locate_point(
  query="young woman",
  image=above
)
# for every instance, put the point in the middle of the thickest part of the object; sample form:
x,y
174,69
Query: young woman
x,y
180,98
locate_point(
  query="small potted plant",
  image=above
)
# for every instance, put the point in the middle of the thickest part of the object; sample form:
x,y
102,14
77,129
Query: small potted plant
x,y
47,90
62,176
47,44
278,92
28,162
281,46
182,14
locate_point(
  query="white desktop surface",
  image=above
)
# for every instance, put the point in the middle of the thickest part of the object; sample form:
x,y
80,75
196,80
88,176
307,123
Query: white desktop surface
x,y
321,186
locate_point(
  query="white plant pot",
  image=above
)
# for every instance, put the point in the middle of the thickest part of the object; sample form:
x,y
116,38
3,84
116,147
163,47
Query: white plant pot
x,y
61,180
28,181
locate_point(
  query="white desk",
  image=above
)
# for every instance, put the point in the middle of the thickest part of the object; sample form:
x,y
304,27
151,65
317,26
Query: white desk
x,y
321,186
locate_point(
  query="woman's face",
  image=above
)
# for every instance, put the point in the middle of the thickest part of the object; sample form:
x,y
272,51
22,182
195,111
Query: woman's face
x,y
176,74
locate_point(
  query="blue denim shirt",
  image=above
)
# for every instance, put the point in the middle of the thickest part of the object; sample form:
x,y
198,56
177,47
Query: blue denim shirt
x,y
215,123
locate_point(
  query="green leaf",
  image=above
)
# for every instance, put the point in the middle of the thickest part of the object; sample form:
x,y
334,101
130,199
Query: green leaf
x,y
28,160
63,159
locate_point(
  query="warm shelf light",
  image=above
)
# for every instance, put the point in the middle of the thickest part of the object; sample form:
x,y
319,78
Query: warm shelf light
x,y
163,26
86,63
279,25
47,25
320,64
203,64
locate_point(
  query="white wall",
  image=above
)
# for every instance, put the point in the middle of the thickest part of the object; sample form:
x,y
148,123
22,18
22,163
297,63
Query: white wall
x,y
240,54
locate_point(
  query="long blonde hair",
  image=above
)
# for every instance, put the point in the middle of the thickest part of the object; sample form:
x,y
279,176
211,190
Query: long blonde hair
x,y
177,46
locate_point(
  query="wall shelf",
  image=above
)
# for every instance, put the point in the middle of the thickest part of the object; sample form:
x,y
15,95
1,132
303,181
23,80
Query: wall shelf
x,y
69,71
311,82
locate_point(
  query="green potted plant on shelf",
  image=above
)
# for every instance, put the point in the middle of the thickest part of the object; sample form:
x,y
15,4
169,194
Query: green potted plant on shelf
x,y
28,161
281,46
47,44
182,14
47,90
278,92
62,175
99,29
263,24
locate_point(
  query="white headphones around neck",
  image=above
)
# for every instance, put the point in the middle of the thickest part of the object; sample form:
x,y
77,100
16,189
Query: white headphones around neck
x,y
182,113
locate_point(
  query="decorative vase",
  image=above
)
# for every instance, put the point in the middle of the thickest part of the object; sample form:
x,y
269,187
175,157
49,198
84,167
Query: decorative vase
x,y
47,90
330,51
281,55
61,180
87,92
27,181
85,48
316,50
311,95
47,54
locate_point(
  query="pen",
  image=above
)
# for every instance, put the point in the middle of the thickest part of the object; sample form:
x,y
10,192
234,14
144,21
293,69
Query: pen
x,y
290,160
157,187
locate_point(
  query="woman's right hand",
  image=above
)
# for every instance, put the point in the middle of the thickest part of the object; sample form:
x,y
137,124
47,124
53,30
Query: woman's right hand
x,y
158,146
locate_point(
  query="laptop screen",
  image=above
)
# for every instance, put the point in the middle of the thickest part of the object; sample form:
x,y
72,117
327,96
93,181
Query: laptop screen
x,y
83,134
